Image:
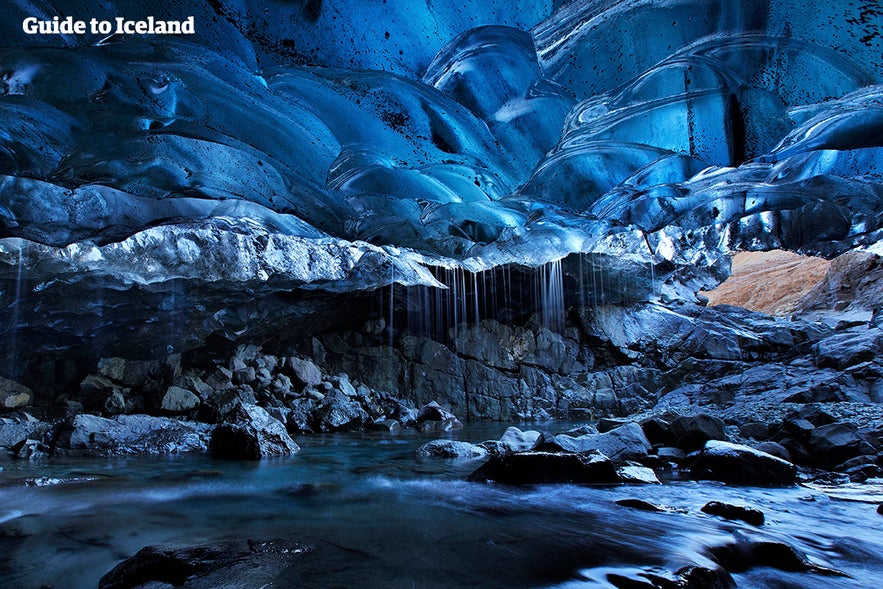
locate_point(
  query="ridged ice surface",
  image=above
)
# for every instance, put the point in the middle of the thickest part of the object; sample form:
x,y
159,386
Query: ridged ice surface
x,y
642,137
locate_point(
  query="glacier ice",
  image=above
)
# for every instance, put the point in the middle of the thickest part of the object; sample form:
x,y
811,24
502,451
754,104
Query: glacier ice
x,y
622,148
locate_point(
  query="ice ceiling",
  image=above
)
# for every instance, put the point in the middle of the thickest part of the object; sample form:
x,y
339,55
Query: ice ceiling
x,y
343,145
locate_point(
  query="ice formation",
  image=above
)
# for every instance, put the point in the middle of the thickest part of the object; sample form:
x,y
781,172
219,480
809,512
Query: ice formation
x,y
625,148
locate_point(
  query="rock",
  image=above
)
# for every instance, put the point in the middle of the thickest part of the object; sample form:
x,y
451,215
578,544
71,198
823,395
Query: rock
x,y
744,556
14,395
829,445
626,442
386,425
303,373
637,475
300,416
450,449
736,464
281,386
775,449
756,430
220,380
90,435
434,412
338,413
178,400
18,427
670,454
880,509
516,440
526,468
342,383
606,424
237,563
691,433
658,431
699,577
250,433
582,430
640,504
729,511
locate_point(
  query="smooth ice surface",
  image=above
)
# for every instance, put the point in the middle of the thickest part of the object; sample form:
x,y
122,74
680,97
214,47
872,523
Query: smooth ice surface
x,y
638,138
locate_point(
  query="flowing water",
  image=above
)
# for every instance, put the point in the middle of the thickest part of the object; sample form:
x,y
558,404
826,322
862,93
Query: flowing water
x,y
400,522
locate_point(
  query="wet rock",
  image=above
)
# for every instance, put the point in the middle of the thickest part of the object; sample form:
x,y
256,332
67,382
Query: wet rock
x,y
386,425
250,433
528,468
743,556
880,509
303,373
178,400
299,417
31,450
670,454
338,413
627,442
90,435
691,433
756,430
739,512
450,449
740,465
434,416
640,504
516,440
698,577
237,563
14,395
832,444
18,427
640,475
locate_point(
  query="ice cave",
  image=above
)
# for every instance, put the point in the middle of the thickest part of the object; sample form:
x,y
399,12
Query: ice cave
x,y
487,293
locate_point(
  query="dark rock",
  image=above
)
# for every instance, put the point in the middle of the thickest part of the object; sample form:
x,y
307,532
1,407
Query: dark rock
x,y
658,431
832,444
14,395
627,442
338,413
237,563
729,511
691,433
527,468
607,424
582,430
854,462
386,425
740,465
670,454
450,449
880,509
250,433
698,577
303,373
31,450
640,504
756,430
775,449
796,450
90,435
516,440
299,417
743,556
433,412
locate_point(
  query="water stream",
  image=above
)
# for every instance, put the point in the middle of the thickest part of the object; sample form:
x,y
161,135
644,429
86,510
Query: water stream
x,y
400,522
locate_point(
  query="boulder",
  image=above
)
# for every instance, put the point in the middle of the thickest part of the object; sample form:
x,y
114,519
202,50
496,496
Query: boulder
x,y
178,400
526,468
830,445
250,433
450,449
515,440
90,435
14,395
775,449
637,475
736,464
739,512
434,412
691,433
18,427
743,556
235,563
658,431
626,442
303,373
338,413
640,504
